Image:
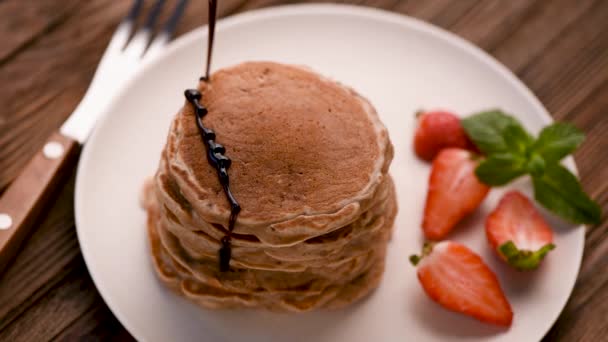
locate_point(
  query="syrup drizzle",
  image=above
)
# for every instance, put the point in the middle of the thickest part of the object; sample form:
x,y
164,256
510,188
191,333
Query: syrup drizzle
x,y
215,151
221,163
210,36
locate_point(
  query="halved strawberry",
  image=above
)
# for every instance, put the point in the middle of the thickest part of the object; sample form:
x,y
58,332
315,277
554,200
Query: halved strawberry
x,y
438,130
458,279
454,192
518,232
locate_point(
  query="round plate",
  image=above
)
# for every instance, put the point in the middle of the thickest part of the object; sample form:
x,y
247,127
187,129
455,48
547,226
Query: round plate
x,y
401,65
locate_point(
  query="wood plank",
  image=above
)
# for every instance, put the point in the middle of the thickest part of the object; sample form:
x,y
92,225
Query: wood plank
x,y
543,26
105,328
490,22
55,311
591,117
442,13
23,22
559,82
43,262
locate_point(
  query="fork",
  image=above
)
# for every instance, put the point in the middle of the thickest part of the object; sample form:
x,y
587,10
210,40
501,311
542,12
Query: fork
x,y
23,199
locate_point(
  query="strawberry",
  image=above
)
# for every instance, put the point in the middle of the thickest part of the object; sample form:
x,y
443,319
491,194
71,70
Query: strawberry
x,y
454,192
458,279
518,232
438,130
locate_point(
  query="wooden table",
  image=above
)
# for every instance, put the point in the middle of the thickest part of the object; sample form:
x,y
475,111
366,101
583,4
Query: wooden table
x,y
50,49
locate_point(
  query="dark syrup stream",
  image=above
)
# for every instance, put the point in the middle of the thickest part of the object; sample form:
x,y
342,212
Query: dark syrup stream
x,y
210,36
215,151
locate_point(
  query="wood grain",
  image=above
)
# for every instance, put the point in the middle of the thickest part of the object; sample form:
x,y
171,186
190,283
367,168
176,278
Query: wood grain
x,y
50,51
22,202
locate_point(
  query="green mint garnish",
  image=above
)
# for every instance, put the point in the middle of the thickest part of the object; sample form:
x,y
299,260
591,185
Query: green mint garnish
x,y
512,152
494,132
557,141
560,191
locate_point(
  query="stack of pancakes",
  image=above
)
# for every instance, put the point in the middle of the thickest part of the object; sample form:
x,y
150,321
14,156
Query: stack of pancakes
x,y
309,169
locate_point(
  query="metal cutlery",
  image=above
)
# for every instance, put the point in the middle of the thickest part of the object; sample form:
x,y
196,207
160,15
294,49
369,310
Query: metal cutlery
x,y
127,51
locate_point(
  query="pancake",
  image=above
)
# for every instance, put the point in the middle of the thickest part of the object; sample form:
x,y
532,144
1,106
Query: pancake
x,y
301,299
326,270
310,162
183,214
335,265
335,247
307,152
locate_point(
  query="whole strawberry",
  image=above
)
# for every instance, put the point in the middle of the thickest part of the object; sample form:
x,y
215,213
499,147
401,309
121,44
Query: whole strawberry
x,y
453,193
438,130
518,232
458,279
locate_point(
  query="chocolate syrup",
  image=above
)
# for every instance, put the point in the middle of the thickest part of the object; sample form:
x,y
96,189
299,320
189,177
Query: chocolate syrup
x,y
215,151
221,163
210,35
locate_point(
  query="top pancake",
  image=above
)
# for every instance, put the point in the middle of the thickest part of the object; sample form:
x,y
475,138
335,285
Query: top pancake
x,y
301,146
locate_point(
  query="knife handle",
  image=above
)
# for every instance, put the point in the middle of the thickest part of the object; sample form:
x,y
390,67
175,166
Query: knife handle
x,y
24,198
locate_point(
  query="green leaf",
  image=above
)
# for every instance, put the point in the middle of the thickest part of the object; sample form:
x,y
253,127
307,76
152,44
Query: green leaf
x,y
536,165
512,152
523,260
517,139
560,191
557,141
501,168
495,132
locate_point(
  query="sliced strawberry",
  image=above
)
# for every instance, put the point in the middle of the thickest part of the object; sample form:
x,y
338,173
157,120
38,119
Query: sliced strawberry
x,y
454,192
518,232
458,279
438,130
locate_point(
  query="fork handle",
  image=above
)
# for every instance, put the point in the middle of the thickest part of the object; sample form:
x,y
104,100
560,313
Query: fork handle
x,y
23,200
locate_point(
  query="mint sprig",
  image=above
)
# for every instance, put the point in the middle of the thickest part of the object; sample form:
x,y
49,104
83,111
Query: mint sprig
x,y
560,191
494,132
557,141
512,152
501,168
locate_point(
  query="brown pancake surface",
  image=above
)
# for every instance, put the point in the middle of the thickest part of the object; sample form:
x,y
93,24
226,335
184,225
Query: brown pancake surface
x,y
309,167
299,144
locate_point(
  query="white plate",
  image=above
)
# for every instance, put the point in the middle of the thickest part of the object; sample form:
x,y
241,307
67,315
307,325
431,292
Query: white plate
x,y
401,65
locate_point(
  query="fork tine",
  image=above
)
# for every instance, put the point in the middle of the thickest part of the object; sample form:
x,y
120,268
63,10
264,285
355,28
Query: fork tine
x,y
169,28
138,45
134,11
163,36
154,14
120,38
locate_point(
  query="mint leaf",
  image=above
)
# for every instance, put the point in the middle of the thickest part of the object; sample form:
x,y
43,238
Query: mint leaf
x,y
495,132
560,191
511,152
557,141
501,168
523,260
518,141
536,165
